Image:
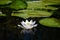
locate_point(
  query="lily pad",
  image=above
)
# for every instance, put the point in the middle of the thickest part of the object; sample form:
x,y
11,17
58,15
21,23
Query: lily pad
x,y
32,13
50,22
41,5
18,4
3,2
52,1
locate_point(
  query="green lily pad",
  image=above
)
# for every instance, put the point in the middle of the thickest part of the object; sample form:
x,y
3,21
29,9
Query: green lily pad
x,y
32,13
18,4
50,22
41,5
52,1
3,2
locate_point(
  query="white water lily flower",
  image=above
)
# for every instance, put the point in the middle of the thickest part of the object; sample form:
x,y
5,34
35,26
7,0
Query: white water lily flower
x,y
28,24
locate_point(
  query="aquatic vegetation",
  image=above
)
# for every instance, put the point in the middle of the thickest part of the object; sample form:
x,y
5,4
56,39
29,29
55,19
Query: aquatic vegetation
x,y
12,12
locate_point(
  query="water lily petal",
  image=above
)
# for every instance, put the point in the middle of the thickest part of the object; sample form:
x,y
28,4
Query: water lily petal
x,y
33,22
28,27
20,26
35,25
22,22
24,25
27,21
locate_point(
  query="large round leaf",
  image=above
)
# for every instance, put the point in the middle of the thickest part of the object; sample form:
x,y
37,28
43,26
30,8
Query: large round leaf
x,y
18,4
3,2
32,13
50,22
40,5
52,1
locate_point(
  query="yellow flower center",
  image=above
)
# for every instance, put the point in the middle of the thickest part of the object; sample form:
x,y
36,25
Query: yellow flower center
x,y
28,23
